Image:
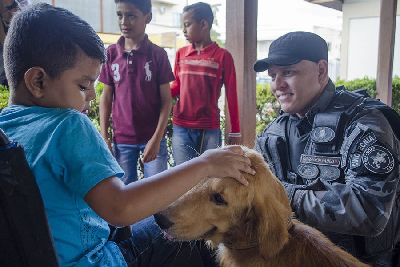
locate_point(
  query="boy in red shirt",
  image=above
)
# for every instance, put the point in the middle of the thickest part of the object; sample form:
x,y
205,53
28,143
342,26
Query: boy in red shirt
x,y
136,80
201,69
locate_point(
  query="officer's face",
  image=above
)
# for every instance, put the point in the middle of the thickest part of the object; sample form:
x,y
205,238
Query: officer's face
x,y
297,87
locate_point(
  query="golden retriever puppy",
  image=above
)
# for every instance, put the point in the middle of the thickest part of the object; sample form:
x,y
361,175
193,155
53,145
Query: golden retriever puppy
x,y
250,225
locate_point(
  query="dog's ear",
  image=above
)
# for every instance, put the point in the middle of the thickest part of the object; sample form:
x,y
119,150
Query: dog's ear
x,y
271,208
271,227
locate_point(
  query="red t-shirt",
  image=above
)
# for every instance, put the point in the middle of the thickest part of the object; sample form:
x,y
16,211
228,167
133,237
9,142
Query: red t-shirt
x,y
199,77
136,77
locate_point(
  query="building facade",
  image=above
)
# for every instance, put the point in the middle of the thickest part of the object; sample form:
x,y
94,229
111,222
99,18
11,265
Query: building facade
x,y
359,55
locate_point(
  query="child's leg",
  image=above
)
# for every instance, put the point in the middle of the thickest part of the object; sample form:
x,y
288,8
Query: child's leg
x,y
160,163
148,247
127,157
185,143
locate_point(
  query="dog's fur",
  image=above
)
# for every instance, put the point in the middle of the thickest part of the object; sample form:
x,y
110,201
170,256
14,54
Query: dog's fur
x,y
251,225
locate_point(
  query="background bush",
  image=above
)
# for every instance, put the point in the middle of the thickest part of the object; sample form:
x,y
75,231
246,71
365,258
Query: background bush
x,y
267,107
94,113
370,85
4,94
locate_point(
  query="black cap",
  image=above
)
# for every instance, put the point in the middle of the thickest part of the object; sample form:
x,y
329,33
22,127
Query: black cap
x,y
292,48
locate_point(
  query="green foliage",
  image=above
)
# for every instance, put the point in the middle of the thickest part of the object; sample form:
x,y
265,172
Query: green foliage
x,y
94,113
396,93
267,107
364,83
4,95
370,85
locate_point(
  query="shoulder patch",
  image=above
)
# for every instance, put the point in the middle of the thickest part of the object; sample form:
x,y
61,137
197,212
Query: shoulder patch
x,y
348,141
367,140
355,160
378,159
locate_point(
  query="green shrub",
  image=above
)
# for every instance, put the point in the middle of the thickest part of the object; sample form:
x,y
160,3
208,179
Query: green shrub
x,y
4,95
94,113
370,85
364,83
267,107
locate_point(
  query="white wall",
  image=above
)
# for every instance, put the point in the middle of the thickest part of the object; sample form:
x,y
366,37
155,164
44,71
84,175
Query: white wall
x,y
360,36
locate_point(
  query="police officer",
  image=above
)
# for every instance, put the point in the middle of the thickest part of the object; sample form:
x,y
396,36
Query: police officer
x,y
335,151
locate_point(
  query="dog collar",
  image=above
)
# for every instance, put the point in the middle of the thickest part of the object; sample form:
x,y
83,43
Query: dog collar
x,y
241,245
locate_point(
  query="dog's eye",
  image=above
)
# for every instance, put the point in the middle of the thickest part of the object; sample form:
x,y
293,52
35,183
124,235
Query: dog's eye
x,y
218,199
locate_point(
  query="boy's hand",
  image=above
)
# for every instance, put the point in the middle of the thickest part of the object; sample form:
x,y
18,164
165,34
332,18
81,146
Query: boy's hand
x,y
228,162
151,150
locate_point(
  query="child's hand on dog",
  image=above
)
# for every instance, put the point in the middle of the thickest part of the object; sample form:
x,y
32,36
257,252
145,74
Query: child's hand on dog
x,y
228,161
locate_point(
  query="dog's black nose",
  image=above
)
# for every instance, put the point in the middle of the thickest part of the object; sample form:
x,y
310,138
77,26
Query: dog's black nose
x,y
163,221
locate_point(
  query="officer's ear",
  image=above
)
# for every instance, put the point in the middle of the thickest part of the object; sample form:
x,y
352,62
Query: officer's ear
x,y
35,79
323,71
149,17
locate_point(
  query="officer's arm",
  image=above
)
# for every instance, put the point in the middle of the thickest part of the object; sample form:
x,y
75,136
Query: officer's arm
x,y
361,203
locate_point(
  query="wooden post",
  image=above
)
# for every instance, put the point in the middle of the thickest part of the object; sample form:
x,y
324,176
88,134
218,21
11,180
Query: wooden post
x,y
101,16
387,30
241,41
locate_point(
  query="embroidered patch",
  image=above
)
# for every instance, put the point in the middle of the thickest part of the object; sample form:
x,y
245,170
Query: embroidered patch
x,y
329,173
148,71
366,141
308,171
355,160
348,141
378,159
320,160
322,134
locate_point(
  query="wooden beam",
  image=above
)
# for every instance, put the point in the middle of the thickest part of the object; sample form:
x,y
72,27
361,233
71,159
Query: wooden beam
x,y
387,30
101,16
241,41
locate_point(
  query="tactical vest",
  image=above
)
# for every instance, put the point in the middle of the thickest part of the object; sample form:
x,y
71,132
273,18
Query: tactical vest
x,y
326,150
326,137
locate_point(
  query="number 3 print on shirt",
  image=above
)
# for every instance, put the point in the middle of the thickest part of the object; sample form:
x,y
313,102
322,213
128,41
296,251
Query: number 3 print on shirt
x,y
115,69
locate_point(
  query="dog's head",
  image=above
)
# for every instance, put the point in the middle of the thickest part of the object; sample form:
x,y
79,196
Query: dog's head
x,y
224,211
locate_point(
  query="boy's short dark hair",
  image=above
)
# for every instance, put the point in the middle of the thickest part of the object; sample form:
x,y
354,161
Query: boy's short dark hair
x,y
48,37
201,11
142,5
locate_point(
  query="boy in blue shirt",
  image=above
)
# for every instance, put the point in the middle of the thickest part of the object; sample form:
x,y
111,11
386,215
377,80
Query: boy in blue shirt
x,y
52,60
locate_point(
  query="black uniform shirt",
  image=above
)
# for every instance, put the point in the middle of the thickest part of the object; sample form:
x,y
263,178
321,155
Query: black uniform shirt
x,y
298,129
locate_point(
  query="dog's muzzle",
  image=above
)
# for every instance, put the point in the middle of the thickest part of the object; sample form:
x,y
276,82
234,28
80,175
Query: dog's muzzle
x,y
163,221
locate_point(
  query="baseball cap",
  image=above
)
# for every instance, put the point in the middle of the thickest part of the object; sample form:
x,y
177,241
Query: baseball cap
x,y
292,48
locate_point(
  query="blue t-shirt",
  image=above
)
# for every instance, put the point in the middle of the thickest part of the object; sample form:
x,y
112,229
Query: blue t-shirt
x,y
68,157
